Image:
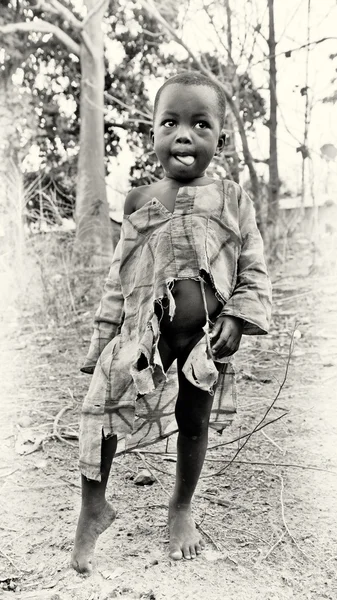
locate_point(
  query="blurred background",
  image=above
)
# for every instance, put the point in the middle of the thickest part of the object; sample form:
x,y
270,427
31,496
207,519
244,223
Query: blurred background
x,y
77,84
78,79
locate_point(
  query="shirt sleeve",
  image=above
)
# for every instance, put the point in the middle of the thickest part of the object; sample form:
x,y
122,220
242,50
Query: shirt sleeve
x,y
109,315
251,297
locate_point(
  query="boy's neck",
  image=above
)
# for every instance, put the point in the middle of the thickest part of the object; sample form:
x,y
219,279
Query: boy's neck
x,y
196,181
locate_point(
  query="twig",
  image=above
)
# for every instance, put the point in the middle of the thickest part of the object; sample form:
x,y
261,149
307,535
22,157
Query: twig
x,y
215,500
220,472
274,464
274,546
208,536
71,395
258,428
10,560
9,473
285,523
156,452
248,533
55,433
273,442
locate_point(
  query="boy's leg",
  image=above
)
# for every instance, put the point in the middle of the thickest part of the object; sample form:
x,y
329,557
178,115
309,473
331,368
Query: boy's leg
x,y
193,410
96,513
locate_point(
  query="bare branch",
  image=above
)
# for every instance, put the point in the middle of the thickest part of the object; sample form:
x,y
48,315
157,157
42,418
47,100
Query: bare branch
x,y
94,10
41,26
291,346
55,6
129,108
154,12
291,50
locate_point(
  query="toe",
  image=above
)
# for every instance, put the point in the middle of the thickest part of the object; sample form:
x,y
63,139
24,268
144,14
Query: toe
x,y
198,548
176,553
82,567
186,552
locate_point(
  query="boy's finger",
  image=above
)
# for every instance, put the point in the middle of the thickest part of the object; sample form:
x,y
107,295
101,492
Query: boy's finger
x,y
214,334
220,344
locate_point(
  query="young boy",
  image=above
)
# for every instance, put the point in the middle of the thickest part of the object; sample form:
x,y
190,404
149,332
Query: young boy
x,y
188,278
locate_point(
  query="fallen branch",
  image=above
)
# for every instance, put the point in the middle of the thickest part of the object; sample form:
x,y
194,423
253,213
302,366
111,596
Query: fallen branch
x,y
56,433
274,464
198,526
161,453
274,546
285,523
215,500
273,442
291,345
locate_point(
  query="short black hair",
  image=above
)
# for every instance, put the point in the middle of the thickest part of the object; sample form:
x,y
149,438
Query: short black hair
x,y
195,78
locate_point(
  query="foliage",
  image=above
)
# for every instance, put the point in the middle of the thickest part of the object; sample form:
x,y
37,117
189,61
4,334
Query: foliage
x,y
52,76
332,98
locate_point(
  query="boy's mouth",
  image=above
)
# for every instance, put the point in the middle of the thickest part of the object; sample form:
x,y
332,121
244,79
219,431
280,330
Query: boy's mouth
x,y
185,159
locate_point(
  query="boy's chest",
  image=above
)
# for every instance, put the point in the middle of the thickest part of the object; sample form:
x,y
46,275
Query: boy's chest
x,y
167,197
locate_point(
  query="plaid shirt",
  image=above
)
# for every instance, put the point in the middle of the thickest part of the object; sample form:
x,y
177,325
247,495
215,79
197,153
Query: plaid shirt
x,y
212,230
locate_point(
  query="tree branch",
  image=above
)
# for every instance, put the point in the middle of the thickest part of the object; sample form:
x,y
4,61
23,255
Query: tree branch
x,y
41,26
56,7
132,109
154,12
291,50
94,10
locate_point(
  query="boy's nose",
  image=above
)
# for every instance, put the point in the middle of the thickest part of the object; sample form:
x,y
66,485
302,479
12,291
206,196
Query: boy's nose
x,y
183,135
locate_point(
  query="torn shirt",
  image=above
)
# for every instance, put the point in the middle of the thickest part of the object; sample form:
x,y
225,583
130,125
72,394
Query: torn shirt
x,y
212,231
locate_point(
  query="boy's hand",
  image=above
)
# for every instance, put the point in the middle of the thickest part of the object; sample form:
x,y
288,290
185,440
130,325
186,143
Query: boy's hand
x,y
226,336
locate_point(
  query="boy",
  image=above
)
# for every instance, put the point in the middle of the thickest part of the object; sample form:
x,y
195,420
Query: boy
x,y
188,278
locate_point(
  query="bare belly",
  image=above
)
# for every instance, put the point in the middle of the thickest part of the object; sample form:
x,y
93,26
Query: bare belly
x,y
189,315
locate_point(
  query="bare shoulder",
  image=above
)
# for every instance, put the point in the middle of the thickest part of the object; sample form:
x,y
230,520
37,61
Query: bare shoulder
x,y
137,197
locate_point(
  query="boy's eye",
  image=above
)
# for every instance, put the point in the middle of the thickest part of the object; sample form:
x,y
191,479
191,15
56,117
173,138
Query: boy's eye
x,y
201,125
169,123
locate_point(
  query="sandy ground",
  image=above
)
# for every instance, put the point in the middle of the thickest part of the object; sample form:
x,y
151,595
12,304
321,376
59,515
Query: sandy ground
x,y
269,520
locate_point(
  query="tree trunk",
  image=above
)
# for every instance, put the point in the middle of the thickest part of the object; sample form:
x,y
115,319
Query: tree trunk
x,y
11,188
93,234
274,183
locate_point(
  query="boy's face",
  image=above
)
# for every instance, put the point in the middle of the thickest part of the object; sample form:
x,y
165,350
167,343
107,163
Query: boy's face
x,y
186,130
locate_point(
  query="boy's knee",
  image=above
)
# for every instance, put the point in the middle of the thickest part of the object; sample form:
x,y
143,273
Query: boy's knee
x,y
190,427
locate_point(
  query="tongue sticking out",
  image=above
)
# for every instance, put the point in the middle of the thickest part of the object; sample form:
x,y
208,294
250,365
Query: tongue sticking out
x,y
186,160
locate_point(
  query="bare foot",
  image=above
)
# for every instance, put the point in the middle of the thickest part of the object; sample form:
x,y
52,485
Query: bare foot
x,y
90,526
185,540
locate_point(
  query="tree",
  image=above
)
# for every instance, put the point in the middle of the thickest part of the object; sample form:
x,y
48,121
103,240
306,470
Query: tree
x,y
15,123
84,39
274,182
227,79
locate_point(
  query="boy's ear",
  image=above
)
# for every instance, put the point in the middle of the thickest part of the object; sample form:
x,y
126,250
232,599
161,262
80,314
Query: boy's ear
x,y
221,143
151,135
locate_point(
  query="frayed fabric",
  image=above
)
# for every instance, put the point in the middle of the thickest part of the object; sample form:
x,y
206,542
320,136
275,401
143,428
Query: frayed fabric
x,y
212,231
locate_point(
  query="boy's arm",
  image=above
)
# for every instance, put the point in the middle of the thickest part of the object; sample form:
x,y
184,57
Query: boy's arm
x,y
109,314
251,298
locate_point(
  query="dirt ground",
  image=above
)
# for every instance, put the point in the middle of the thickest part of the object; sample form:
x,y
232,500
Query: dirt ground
x,y
269,520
